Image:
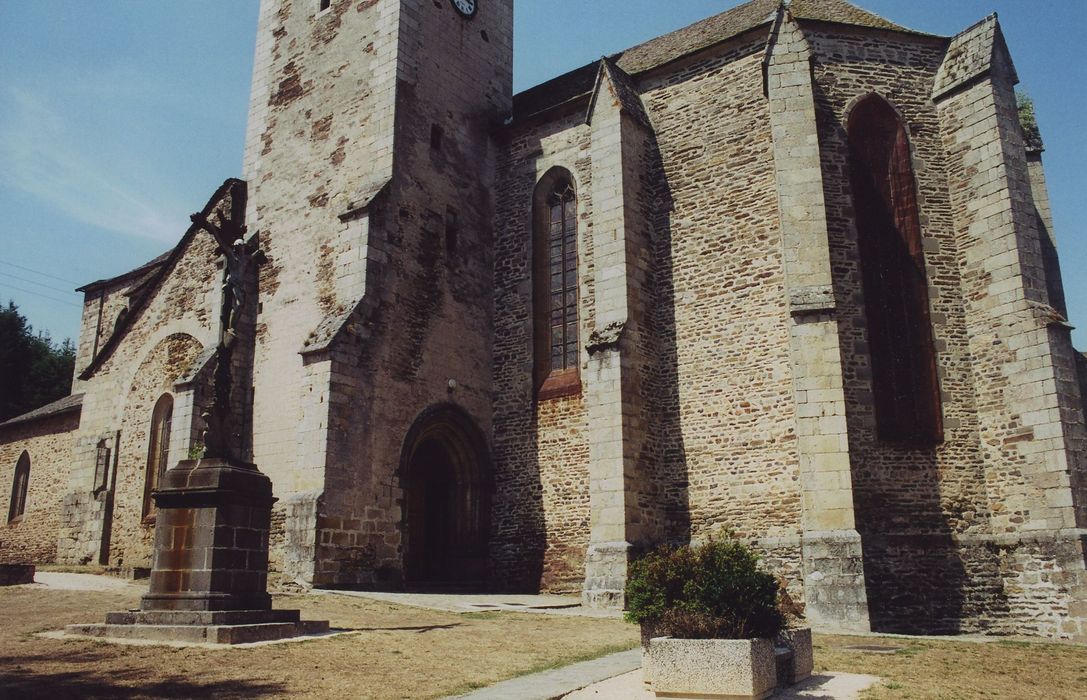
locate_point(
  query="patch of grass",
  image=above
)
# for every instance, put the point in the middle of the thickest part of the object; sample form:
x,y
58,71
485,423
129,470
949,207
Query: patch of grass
x,y
482,615
1016,643
395,651
960,670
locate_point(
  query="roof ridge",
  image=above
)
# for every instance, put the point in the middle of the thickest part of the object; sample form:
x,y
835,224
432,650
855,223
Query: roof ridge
x,y
842,12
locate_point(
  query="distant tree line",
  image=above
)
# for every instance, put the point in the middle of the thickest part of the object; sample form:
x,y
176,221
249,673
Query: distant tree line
x,y
33,370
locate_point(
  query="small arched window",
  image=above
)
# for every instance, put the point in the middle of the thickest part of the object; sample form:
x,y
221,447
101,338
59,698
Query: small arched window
x,y
555,286
904,378
158,449
19,486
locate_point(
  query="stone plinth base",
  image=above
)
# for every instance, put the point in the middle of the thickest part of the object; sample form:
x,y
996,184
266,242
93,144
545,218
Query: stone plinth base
x,y
194,627
211,538
16,574
793,653
834,589
606,575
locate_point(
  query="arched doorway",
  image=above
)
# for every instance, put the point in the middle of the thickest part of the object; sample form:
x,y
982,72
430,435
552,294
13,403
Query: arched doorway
x,y
446,478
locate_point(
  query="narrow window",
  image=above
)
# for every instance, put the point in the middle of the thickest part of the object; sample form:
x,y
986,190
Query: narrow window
x,y
904,379
435,137
101,465
323,5
158,450
555,286
18,488
452,230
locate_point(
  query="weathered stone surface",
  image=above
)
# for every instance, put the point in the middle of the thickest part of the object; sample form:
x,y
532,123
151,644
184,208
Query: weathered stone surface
x,y
713,668
16,574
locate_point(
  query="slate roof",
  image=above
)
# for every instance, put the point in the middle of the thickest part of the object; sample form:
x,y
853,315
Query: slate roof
x,y
65,405
146,269
626,92
682,42
841,12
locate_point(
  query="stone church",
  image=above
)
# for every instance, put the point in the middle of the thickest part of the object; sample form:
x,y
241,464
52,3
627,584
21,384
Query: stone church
x,y
788,272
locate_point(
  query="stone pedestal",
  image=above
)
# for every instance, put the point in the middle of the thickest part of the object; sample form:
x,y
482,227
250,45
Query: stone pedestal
x,y
211,538
210,572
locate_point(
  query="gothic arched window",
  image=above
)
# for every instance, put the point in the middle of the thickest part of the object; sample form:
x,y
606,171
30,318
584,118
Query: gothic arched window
x,y
904,379
19,486
158,450
555,286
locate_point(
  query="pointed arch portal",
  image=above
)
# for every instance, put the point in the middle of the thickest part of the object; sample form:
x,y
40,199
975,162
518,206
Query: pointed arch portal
x,y
446,477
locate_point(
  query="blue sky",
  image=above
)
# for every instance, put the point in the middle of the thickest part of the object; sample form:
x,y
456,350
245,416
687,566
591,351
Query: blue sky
x,y
118,118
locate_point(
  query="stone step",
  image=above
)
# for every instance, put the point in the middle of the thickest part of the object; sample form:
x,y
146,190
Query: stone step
x,y
202,634
200,617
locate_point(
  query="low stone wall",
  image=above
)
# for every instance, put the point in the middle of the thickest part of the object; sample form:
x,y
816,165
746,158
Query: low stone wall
x,y
16,574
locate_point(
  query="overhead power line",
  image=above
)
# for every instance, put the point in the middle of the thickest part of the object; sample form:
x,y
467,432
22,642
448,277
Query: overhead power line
x,y
40,284
43,296
39,272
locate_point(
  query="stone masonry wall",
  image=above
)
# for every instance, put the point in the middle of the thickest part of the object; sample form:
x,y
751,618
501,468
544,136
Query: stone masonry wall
x,y
541,507
160,346
33,538
899,492
1029,411
422,334
319,141
132,539
724,377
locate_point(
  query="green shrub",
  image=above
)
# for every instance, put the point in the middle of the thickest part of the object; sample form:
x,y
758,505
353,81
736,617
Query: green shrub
x,y
709,591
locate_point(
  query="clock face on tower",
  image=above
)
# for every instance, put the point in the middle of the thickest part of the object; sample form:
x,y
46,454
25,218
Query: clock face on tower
x,y
466,7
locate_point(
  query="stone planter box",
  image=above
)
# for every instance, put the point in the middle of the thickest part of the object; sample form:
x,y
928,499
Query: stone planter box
x,y
794,656
710,668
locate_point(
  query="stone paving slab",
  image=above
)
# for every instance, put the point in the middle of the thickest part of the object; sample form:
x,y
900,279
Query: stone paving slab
x,y
550,685
823,686
85,582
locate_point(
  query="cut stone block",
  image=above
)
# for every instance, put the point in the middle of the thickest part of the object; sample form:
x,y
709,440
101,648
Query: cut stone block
x,y
710,668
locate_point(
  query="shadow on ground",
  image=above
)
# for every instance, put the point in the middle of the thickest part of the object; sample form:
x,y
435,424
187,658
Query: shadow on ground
x,y
18,679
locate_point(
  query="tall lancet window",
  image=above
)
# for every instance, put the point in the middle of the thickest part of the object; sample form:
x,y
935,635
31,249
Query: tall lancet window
x,y
555,287
19,485
158,450
904,378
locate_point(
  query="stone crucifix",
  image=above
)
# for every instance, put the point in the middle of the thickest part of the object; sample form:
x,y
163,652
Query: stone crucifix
x,y
237,256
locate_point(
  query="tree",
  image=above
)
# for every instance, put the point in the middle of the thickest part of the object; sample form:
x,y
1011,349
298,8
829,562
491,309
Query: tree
x,y
33,371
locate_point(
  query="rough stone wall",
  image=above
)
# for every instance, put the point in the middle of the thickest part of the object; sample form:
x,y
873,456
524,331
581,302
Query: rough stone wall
x,y
394,150
180,319
925,494
724,376
1030,414
541,451
102,308
32,539
319,136
132,539
422,334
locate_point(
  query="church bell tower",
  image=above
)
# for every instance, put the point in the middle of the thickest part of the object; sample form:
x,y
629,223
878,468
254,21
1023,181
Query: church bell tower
x,y
369,159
